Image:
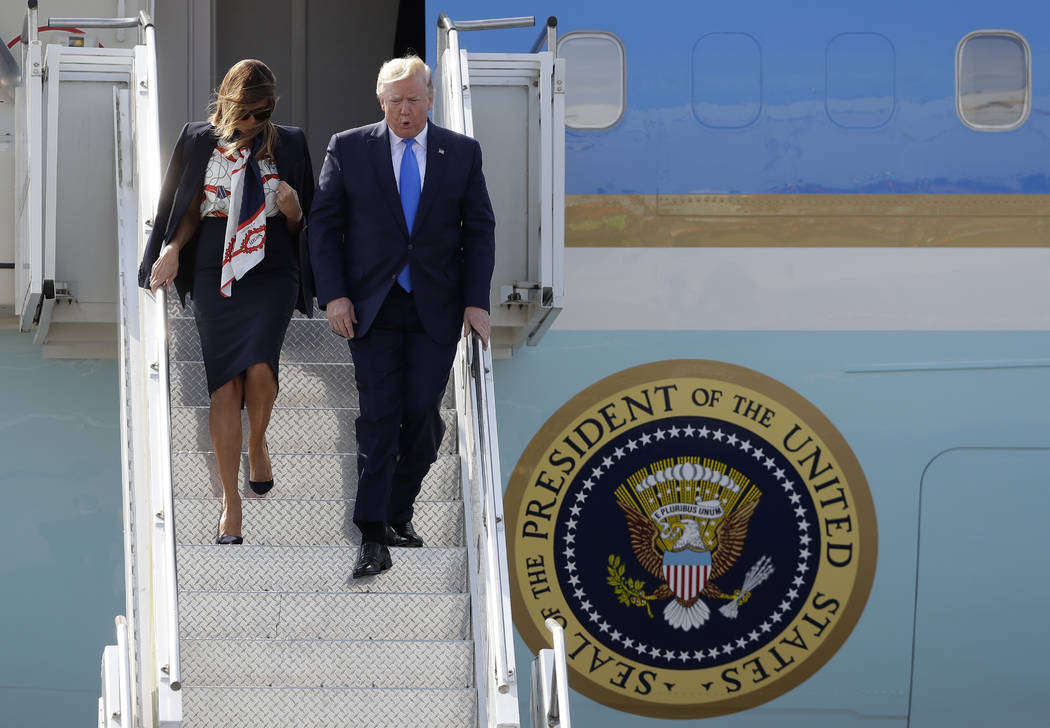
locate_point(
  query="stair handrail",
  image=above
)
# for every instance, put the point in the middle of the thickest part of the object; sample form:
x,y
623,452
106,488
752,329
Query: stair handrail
x,y
160,447
489,579
448,38
475,365
150,549
480,365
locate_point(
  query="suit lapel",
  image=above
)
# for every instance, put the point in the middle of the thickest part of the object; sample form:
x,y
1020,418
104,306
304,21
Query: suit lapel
x,y
384,169
436,154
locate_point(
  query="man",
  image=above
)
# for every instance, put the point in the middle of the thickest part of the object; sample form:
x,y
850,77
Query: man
x,y
402,244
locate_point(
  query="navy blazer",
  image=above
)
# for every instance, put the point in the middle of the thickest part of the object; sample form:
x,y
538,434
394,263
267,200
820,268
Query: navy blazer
x,y
184,178
359,240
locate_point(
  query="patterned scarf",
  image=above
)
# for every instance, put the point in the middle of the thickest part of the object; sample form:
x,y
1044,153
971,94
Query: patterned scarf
x,y
246,223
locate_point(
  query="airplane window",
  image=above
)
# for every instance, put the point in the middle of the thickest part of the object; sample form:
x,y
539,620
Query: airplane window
x,y
594,79
860,69
993,80
727,80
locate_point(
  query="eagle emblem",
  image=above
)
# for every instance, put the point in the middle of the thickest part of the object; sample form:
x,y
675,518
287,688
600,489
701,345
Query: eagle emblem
x,y
688,522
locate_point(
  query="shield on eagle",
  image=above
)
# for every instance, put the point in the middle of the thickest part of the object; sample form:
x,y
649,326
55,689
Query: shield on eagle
x,y
686,571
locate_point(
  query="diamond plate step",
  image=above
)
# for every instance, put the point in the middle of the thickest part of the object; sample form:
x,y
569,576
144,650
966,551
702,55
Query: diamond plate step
x,y
302,385
380,615
331,476
307,340
328,663
316,568
291,430
289,522
223,707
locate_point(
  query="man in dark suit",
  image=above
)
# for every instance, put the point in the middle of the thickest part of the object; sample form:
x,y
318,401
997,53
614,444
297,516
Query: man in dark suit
x,y
402,245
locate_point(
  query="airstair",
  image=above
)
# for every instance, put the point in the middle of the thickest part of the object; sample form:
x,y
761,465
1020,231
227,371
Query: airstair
x,y
274,632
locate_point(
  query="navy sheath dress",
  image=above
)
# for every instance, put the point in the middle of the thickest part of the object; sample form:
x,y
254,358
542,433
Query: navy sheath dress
x,y
248,327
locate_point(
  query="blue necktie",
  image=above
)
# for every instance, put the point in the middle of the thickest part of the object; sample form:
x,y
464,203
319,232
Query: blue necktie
x,y
410,187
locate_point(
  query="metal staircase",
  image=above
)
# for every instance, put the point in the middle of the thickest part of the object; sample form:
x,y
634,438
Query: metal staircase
x,y
274,632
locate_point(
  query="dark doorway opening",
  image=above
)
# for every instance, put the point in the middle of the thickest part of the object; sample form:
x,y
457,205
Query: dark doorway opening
x,y
411,33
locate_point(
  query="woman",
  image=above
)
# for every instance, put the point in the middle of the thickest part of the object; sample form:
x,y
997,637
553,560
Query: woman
x,y
230,230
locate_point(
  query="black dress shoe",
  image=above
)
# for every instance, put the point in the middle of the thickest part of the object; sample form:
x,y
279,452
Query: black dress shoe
x,y
260,487
372,558
402,534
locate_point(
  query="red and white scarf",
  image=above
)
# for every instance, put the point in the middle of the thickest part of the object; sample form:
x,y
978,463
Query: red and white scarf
x,y
246,222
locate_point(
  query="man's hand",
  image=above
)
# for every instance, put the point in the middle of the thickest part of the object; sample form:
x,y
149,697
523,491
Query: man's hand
x,y
477,319
341,317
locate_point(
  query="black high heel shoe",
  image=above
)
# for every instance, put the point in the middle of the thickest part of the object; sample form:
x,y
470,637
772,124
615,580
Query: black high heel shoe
x,y
260,487
225,540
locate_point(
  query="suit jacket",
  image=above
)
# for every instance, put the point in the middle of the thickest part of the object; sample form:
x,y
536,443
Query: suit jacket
x,y
359,240
184,178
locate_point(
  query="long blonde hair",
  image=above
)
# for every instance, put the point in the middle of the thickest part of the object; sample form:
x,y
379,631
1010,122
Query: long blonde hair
x,y
246,84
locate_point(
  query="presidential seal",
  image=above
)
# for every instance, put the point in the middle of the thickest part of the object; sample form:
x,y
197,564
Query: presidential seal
x,y
703,533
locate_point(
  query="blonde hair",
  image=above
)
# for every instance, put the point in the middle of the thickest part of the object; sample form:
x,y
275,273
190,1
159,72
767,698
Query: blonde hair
x,y
398,69
246,84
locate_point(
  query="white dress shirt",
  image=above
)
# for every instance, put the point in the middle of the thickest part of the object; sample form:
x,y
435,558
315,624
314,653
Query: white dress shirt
x,y
397,151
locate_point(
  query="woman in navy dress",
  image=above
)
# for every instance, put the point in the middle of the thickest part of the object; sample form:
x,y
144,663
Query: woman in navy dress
x,y
229,231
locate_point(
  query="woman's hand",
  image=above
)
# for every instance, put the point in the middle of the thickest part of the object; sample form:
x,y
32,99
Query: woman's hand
x,y
163,271
288,204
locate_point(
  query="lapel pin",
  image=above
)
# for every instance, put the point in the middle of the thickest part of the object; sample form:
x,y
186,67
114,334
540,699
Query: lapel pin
x,y
440,150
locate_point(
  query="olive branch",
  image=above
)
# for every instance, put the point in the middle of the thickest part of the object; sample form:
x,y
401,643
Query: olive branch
x,y
629,591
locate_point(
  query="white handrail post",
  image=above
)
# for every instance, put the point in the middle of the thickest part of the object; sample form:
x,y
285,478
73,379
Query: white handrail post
x,y
550,682
124,669
560,711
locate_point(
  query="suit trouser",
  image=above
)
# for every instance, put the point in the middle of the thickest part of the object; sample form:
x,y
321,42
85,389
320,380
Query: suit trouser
x,y
401,377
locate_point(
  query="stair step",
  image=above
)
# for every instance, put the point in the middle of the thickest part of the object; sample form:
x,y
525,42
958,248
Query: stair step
x,y
221,707
302,385
275,632
329,476
307,340
328,663
318,430
290,522
380,615
316,568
